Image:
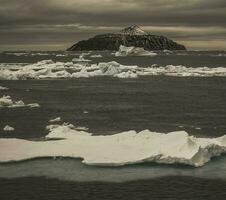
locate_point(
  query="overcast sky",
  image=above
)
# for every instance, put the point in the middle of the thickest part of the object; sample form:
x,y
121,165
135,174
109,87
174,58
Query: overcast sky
x,y
57,24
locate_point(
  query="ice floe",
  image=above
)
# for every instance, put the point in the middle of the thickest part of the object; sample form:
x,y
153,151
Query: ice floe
x,y
8,128
7,102
115,150
133,51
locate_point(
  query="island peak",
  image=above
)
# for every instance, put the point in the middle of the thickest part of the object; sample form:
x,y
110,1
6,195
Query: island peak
x,y
133,30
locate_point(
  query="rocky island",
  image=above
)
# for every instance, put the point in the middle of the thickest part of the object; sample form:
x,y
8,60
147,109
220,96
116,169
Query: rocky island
x,y
131,36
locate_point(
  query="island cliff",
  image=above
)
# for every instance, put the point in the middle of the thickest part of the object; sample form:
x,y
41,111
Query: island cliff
x,y
131,36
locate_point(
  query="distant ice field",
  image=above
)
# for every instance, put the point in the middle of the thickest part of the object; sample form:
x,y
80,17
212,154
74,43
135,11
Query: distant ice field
x,y
186,58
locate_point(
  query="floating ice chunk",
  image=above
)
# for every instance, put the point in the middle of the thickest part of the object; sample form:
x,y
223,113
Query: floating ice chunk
x,y
7,102
116,150
96,56
58,119
81,58
3,88
61,55
85,112
167,51
8,128
33,105
133,51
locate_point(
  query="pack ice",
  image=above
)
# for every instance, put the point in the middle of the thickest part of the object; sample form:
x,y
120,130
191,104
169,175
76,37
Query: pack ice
x,y
115,150
47,69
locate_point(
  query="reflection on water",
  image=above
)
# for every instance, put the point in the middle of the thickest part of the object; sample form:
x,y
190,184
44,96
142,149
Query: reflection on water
x,y
74,170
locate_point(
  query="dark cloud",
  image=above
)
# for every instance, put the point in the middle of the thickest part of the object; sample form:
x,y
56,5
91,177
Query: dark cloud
x,y
42,22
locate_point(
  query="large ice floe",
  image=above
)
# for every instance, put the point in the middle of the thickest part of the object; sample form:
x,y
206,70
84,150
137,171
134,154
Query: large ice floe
x,y
133,51
115,150
48,69
7,102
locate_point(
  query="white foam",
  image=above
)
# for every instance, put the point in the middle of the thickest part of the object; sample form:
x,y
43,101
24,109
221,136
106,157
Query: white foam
x,y
116,150
133,51
7,102
8,128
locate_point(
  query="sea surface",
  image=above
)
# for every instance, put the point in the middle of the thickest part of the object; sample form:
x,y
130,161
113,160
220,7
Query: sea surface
x,y
108,105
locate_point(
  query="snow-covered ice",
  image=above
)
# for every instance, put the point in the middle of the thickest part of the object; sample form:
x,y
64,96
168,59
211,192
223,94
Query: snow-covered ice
x,y
115,150
7,102
133,51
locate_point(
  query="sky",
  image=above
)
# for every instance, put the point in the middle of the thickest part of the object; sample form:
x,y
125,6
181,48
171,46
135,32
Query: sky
x,y
57,24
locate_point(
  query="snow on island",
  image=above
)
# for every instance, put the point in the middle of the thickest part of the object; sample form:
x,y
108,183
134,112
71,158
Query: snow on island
x,y
7,102
115,150
133,51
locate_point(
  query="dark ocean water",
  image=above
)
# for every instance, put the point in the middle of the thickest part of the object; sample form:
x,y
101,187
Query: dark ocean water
x,y
163,188
109,105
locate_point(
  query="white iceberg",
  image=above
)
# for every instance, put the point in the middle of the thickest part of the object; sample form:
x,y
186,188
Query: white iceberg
x,y
133,51
115,150
8,128
7,102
